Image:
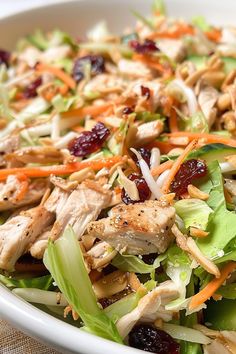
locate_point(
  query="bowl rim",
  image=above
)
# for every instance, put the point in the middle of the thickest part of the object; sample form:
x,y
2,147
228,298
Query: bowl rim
x,y
33,321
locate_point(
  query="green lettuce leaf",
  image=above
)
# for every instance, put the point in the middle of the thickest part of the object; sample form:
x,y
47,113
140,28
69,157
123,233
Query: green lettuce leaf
x,y
201,23
193,212
189,321
43,283
158,6
65,262
228,291
129,263
62,104
222,223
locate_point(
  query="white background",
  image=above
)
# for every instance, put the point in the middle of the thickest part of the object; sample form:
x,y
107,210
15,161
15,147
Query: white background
x,y
12,6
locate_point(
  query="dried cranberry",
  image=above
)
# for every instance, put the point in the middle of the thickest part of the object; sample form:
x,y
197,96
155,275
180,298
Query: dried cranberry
x,y
145,91
150,339
146,155
149,258
127,110
31,90
143,190
96,62
189,171
4,57
146,47
89,141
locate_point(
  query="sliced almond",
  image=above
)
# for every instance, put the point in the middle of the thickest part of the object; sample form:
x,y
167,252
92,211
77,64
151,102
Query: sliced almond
x,y
198,232
194,192
206,263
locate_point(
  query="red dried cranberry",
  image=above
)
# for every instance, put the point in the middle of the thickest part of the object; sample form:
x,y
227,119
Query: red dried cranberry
x,y
189,171
89,141
145,91
31,90
96,62
150,339
149,258
146,155
146,47
4,57
143,190
127,110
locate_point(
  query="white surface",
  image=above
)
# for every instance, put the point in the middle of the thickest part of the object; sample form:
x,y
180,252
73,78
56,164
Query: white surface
x,y
12,6
76,17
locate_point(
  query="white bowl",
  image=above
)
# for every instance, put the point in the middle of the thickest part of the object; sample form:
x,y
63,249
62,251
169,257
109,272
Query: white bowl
x,y
77,17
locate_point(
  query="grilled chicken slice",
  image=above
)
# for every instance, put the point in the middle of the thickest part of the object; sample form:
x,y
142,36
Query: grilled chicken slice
x,y
9,193
175,49
35,154
140,228
147,132
39,246
83,205
17,234
8,145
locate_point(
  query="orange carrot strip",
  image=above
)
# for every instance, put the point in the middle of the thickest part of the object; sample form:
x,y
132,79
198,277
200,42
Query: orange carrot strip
x,y
176,165
93,110
173,124
180,31
211,287
152,63
24,186
161,168
60,170
58,73
214,35
210,138
164,146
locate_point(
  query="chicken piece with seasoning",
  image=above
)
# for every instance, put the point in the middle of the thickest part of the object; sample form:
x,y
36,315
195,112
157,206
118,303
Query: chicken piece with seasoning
x,y
136,229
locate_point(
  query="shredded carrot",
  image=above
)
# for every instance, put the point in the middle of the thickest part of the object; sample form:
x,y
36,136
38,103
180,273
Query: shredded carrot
x,y
164,146
93,110
176,165
214,35
58,73
209,138
60,170
211,287
24,186
63,90
181,30
173,124
154,64
161,168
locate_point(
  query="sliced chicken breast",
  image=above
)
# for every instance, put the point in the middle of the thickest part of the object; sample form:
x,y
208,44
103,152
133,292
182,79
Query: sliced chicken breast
x,y
17,234
9,193
83,205
140,228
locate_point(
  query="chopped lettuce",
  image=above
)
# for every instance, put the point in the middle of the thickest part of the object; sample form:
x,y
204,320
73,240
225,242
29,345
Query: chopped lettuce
x,y
198,123
179,271
193,212
4,103
123,306
43,283
158,7
228,291
62,104
148,22
148,116
222,223
56,38
129,263
201,23
221,315
189,321
65,262
38,39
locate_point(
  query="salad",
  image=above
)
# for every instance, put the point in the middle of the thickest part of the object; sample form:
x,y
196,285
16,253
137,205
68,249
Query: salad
x,y
117,181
